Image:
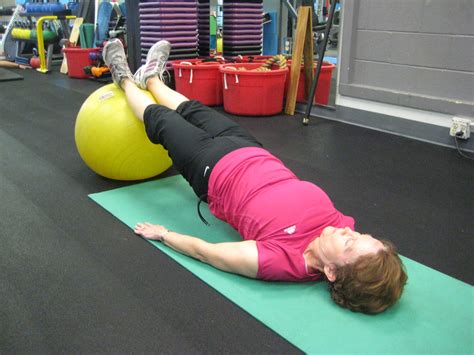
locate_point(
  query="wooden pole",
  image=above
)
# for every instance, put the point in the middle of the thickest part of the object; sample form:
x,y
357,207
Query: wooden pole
x,y
303,44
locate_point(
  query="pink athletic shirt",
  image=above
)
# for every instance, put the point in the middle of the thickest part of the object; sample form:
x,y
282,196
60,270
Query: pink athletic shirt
x,y
264,201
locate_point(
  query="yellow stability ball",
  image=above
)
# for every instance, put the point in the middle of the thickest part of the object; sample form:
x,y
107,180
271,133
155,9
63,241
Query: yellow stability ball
x,y
113,142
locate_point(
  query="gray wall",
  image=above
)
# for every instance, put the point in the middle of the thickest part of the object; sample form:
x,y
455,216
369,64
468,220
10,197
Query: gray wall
x,y
414,53
7,2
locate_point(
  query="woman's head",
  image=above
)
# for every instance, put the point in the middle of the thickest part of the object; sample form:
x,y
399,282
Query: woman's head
x,y
365,274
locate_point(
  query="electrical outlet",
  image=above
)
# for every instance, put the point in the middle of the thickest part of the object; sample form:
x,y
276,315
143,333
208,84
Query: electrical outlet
x,y
460,128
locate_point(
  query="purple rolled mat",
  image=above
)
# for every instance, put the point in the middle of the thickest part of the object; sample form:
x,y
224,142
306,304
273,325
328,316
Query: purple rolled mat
x,y
244,47
237,51
243,21
144,51
228,10
242,51
183,57
168,28
158,15
188,54
184,52
175,45
241,15
169,22
172,40
242,37
228,42
167,3
241,46
238,10
236,54
244,32
187,34
241,28
148,10
242,4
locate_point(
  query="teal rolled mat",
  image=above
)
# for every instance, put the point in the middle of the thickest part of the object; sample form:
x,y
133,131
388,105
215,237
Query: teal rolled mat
x,y
434,316
86,35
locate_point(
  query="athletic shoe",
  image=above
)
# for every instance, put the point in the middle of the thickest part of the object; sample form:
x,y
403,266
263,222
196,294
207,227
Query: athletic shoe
x,y
115,58
155,63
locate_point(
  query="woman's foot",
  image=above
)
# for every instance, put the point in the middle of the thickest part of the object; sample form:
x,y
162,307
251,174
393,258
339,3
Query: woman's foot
x,y
116,60
155,64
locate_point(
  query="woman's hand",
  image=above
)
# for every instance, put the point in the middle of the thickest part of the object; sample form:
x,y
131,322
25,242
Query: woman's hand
x,y
151,231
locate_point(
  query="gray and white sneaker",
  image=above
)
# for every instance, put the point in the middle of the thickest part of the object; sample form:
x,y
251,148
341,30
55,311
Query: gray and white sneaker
x,y
115,58
155,64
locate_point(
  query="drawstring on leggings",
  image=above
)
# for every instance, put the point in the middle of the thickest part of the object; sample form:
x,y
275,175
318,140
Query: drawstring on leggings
x,y
199,211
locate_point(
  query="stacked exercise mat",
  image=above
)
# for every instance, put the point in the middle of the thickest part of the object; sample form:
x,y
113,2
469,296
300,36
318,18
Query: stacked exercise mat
x,y
172,20
243,27
204,28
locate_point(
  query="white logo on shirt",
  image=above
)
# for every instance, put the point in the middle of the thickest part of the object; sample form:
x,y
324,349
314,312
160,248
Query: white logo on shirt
x,y
205,170
290,230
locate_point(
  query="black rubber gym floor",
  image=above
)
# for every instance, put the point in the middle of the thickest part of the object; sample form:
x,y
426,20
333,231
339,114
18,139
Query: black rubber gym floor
x,y
75,279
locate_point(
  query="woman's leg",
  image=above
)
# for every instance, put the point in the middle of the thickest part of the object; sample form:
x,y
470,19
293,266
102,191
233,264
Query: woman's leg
x,y
211,121
136,98
186,143
165,95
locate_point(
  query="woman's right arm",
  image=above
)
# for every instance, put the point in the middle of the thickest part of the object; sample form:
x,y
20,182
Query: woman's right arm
x,y
235,257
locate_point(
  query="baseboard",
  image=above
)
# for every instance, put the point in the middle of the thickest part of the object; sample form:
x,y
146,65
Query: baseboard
x,y
421,131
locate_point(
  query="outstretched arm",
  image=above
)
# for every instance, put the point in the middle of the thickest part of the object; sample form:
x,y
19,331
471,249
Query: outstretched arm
x,y
237,257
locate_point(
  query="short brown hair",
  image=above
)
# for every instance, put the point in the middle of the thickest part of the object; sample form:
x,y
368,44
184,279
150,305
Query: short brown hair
x,y
372,283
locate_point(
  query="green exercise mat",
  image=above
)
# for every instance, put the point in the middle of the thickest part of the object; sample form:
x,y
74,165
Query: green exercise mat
x,y
8,75
435,315
86,35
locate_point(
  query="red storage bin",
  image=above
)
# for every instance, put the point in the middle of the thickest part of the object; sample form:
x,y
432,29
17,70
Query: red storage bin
x,y
199,80
324,84
252,93
78,58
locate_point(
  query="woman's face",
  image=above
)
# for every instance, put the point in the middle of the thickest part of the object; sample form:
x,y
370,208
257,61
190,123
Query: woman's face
x,y
341,246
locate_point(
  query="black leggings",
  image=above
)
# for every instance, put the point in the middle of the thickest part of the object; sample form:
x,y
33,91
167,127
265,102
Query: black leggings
x,y
196,137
